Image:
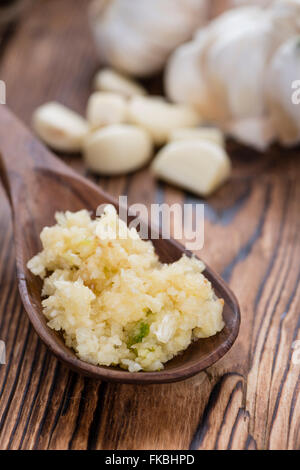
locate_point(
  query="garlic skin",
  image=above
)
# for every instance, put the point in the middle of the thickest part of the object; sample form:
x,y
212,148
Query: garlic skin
x,y
223,71
59,127
109,80
137,36
283,91
117,149
198,166
159,117
106,108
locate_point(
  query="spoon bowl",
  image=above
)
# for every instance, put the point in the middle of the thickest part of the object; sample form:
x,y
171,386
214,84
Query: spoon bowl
x,y
39,184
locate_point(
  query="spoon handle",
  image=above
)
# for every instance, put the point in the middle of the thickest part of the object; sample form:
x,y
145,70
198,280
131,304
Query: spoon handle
x,y
20,155
37,184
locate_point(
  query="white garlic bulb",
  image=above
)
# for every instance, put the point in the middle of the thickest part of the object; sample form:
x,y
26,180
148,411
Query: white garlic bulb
x,y
223,70
190,76
137,36
283,91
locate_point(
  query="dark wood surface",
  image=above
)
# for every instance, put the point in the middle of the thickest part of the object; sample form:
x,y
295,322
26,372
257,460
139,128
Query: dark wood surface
x,y
249,399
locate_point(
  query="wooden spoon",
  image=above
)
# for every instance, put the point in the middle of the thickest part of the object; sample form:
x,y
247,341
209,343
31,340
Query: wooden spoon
x,y
39,184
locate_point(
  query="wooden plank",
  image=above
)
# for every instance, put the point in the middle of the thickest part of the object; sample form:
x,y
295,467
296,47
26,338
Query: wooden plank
x,y
250,399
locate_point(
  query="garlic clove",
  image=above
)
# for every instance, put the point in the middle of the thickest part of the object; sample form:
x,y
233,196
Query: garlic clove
x,y
258,133
212,134
106,108
184,79
59,127
159,117
198,166
283,92
210,74
117,149
241,97
199,73
110,80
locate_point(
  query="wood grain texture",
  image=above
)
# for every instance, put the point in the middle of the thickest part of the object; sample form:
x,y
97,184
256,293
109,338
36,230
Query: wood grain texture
x,y
251,398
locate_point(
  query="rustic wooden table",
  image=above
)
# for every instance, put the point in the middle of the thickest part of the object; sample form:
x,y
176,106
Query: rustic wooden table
x,y
251,398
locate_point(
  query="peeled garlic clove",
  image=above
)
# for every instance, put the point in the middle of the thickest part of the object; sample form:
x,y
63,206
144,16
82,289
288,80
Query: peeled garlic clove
x,y
198,166
117,149
60,127
106,108
159,118
109,80
212,134
284,70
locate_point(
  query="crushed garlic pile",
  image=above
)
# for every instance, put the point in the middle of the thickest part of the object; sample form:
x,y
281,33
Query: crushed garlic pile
x,y
114,302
